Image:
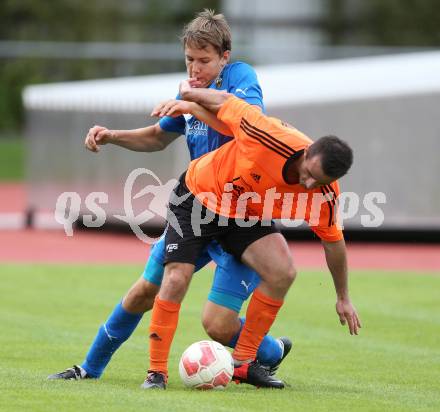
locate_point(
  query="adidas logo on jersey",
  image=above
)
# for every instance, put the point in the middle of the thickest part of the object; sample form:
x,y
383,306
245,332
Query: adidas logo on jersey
x,y
256,177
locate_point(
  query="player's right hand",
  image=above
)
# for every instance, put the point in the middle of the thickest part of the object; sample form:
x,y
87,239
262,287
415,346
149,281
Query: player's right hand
x,y
97,136
348,314
186,85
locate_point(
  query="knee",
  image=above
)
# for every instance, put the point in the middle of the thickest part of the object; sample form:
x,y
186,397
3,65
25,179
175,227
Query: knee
x,y
219,331
291,273
140,297
145,289
285,275
176,280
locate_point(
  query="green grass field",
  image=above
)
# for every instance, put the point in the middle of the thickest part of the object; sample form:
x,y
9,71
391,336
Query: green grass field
x,y
50,313
12,150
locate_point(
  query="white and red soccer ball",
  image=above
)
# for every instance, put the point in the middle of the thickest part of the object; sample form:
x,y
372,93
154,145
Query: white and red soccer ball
x,y
206,365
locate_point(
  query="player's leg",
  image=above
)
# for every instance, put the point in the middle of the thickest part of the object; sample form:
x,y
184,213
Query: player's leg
x,y
263,249
223,325
165,315
140,298
233,284
271,258
164,320
183,248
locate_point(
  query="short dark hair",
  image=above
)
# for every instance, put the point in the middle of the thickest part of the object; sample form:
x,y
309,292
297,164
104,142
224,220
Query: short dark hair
x,y
336,155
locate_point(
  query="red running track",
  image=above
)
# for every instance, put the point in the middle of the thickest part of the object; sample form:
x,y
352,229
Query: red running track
x,y
94,247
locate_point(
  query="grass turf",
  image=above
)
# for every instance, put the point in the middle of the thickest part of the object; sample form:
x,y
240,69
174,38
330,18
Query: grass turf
x,y
12,151
50,313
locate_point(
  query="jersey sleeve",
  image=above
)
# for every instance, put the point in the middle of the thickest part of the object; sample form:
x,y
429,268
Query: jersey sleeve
x,y
244,84
173,124
326,225
232,112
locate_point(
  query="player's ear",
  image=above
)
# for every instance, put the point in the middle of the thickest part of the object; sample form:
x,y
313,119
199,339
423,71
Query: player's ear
x,y
225,57
306,149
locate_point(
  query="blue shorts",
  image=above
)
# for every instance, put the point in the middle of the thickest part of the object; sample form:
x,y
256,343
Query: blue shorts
x,y
233,281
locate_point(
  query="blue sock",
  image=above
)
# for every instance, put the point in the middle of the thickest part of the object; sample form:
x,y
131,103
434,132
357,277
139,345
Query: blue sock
x,y
112,334
269,352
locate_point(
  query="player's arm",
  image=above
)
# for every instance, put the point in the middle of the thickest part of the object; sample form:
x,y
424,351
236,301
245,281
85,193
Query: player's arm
x,y
174,108
204,104
210,119
147,139
211,100
336,257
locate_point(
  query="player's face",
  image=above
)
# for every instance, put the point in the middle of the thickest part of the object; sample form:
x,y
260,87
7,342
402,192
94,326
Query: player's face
x,y
204,64
311,175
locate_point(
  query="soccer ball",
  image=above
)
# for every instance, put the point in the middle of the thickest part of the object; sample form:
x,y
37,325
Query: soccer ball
x,y
206,365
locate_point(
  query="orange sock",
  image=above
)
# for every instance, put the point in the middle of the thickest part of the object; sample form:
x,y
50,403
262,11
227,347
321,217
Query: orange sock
x,y
163,325
260,315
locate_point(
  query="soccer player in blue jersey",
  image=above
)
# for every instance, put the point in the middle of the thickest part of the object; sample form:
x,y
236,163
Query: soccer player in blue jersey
x,y
207,45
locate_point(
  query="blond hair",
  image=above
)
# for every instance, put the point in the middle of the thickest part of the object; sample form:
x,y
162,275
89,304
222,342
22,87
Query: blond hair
x,y
207,28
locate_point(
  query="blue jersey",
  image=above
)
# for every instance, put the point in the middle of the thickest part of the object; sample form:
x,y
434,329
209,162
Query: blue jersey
x,y
237,78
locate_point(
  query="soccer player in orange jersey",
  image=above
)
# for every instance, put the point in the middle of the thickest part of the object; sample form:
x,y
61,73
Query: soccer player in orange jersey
x,y
270,170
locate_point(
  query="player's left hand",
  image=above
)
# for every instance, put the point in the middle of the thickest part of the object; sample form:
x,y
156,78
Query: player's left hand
x,y
173,108
347,314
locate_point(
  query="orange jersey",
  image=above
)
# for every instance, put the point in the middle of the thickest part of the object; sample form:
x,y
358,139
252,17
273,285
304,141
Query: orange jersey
x,y
245,178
